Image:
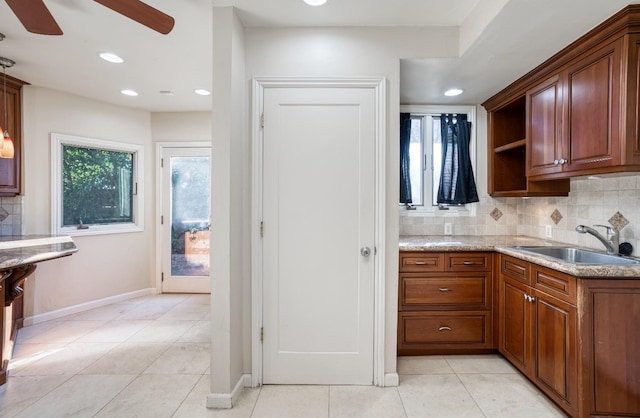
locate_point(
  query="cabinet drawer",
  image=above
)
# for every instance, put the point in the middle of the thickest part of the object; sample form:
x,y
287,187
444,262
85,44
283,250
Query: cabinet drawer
x,y
515,268
463,291
449,328
421,261
554,283
468,262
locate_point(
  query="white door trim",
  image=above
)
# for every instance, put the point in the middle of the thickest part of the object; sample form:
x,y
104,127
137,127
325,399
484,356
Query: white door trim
x,y
259,84
160,146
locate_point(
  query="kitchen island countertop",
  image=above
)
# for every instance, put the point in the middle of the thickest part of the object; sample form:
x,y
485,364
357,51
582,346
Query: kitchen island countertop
x,y
17,251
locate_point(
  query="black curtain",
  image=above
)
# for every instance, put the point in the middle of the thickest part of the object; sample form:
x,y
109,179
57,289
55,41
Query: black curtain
x,y
457,185
405,141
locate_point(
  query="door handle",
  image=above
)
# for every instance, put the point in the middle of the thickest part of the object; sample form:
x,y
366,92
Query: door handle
x,y
365,251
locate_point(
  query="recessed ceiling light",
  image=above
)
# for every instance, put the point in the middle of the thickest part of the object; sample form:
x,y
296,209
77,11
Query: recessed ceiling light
x,y
202,92
453,92
315,2
111,57
128,92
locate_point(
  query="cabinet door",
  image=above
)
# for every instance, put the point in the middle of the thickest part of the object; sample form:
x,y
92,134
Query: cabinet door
x,y
10,167
555,362
515,319
593,105
612,317
544,123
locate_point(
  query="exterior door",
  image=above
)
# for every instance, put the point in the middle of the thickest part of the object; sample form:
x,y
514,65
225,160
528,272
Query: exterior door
x,y
186,212
318,235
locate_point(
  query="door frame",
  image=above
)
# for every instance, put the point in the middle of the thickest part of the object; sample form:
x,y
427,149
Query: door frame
x,y
259,85
160,146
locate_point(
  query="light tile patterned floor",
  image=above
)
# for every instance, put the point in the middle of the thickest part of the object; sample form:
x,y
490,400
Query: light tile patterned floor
x,y
149,357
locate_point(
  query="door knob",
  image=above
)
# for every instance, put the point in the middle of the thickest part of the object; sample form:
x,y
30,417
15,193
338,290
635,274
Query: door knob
x,y
365,251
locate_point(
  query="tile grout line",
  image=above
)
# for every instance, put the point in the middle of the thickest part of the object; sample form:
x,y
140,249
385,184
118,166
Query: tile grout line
x,y
404,409
465,387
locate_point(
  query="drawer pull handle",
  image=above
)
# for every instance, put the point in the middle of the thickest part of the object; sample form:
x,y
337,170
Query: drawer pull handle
x,y
444,289
444,329
420,263
469,263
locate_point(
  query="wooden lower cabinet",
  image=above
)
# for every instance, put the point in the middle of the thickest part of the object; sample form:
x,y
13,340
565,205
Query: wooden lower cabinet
x,y
515,341
445,303
576,339
538,336
609,374
554,351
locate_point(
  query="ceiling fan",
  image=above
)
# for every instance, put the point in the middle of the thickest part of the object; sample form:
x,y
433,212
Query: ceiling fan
x,y
36,18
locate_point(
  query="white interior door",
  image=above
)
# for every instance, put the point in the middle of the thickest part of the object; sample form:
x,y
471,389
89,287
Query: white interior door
x,y
318,214
186,212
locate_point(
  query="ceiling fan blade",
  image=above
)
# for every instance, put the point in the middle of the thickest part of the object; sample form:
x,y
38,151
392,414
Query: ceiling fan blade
x,y
141,13
35,17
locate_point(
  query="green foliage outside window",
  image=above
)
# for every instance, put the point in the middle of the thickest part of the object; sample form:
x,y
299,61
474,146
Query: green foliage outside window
x,y
97,186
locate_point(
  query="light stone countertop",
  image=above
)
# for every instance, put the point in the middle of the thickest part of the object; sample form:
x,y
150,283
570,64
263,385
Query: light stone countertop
x,y
506,245
16,251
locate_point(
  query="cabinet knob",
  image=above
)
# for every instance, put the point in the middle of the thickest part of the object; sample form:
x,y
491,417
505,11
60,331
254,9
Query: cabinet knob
x,y
556,162
444,328
562,161
366,252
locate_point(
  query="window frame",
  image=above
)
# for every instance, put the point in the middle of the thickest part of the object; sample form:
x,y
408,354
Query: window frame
x,y
427,190
57,142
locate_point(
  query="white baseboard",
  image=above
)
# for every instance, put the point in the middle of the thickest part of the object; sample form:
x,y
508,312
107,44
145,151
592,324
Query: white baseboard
x,y
227,400
69,310
391,379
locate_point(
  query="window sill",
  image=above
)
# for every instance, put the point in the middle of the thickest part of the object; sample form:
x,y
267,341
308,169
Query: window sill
x,y
100,230
453,212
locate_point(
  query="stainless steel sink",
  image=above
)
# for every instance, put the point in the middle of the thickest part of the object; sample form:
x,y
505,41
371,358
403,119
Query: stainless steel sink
x,y
578,255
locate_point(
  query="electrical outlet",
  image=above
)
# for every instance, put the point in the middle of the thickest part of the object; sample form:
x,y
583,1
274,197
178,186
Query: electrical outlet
x,y
447,229
548,231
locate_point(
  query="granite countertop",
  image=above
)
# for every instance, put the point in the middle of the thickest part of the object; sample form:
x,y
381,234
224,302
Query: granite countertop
x,y
16,251
506,245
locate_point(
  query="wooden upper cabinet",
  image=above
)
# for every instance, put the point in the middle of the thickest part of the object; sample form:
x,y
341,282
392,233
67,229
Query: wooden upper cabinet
x,y
544,128
593,105
582,108
10,183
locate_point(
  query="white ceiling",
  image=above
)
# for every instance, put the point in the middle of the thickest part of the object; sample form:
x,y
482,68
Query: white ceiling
x,y
521,35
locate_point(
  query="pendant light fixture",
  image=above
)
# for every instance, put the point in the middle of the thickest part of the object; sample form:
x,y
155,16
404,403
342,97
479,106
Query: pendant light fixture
x,y
6,150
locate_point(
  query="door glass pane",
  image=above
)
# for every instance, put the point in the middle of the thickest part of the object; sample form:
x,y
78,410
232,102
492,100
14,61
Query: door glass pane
x,y
190,214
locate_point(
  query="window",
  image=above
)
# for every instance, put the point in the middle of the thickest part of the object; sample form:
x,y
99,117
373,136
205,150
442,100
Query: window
x,y
425,155
96,186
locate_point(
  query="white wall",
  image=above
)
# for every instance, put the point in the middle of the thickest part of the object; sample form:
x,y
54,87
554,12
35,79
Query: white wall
x,y
181,126
105,265
230,248
349,52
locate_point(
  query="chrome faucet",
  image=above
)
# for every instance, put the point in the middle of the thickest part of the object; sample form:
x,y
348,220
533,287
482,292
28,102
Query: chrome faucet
x,y
611,241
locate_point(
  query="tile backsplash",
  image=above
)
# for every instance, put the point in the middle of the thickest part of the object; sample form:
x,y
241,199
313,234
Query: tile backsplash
x,y
11,216
610,200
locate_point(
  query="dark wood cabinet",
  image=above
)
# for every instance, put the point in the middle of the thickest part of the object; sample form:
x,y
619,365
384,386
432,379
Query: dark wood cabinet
x,y
515,325
445,303
537,331
507,152
544,128
574,118
593,132
578,112
10,179
609,345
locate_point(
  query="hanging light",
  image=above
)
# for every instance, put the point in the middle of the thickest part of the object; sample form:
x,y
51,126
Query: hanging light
x,y
7,149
